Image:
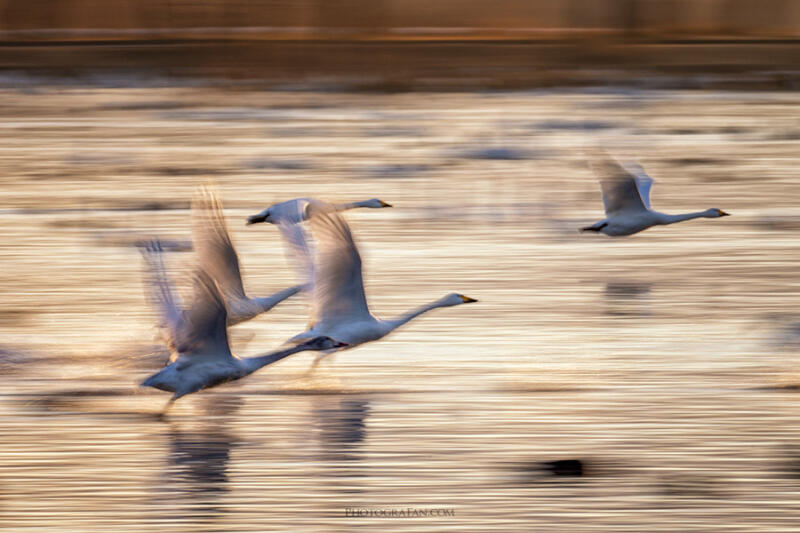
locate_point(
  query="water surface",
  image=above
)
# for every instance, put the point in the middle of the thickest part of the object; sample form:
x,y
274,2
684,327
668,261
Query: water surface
x,y
664,362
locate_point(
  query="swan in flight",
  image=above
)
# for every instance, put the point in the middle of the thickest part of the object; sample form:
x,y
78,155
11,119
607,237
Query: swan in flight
x,y
339,306
296,211
626,198
217,256
203,357
289,214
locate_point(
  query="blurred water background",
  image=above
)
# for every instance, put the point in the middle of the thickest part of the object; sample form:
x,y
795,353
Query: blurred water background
x,y
664,362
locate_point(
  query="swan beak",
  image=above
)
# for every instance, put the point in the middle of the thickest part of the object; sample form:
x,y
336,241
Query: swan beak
x,y
467,299
723,213
255,219
340,344
384,204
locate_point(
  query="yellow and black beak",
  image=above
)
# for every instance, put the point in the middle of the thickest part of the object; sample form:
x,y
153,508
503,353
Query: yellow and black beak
x,y
723,213
467,299
384,204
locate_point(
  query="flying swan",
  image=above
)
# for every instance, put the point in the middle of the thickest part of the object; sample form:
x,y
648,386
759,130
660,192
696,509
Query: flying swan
x,y
626,198
296,211
203,357
339,306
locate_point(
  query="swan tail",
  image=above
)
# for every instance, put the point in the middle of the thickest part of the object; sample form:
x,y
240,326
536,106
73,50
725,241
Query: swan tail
x,y
159,381
595,227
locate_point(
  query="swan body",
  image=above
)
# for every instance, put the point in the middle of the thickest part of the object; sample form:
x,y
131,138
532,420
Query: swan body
x,y
339,306
626,198
203,357
296,211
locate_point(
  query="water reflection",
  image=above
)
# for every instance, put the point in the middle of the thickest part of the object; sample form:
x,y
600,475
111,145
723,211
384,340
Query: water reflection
x,y
627,298
340,425
196,474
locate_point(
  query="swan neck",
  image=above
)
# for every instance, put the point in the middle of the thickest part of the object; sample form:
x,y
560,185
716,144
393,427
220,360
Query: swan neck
x,y
671,219
251,364
411,315
351,205
268,302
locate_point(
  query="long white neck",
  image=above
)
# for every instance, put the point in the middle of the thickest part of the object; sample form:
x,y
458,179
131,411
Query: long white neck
x,y
664,219
352,205
251,364
411,315
269,302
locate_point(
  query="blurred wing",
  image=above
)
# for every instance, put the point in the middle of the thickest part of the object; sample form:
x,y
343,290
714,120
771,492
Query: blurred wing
x,y
299,249
206,332
643,182
160,292
338,284
215,250
620,192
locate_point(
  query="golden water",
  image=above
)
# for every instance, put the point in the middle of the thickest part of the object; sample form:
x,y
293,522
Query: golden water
x,y
663,361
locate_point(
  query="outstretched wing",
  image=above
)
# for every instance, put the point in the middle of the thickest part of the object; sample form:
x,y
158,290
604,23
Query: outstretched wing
x,y
215,251
205,332
160,291
299,250
338,283
620,190
643,181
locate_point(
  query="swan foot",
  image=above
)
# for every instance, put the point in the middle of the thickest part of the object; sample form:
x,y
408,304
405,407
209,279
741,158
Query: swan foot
x,y
163,414
320,356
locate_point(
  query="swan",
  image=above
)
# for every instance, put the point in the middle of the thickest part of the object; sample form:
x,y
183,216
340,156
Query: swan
x,y
626,198
216,254
203,355
339,306
296,211
289,215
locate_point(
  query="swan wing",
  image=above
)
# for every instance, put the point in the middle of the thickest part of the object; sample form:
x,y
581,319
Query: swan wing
x,y
643,182
620,191
215,251
205,333
160,291
338,283
299,249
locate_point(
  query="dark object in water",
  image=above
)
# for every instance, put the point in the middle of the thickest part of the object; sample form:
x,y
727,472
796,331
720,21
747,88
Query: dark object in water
x,y
564,467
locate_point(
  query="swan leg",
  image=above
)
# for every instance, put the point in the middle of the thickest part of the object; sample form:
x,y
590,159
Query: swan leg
x,y
169,404
314,365
172,400
320,356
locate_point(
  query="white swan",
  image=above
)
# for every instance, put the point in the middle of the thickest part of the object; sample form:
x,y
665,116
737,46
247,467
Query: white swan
x,y
626,197
339,305
203,355
296,211
217,256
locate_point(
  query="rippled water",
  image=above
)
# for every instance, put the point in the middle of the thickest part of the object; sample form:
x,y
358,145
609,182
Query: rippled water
x,y
664,362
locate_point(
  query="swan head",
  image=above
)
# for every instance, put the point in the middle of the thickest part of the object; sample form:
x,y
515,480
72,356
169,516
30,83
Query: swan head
x,y
375,203
455,299
716,213
263,216
323,343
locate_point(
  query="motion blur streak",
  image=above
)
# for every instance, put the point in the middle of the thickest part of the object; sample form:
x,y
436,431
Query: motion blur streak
x,y
638,384
668,391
